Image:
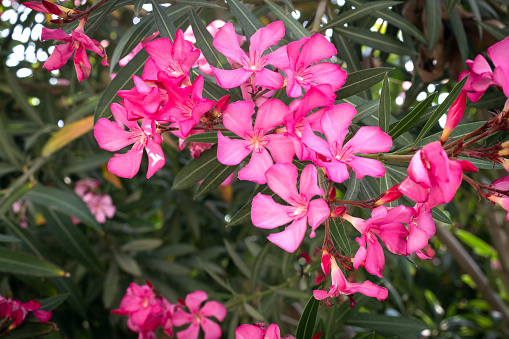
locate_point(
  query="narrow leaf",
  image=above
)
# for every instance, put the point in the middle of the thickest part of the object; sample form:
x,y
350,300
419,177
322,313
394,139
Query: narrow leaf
x,y
11,197
244,213
347,52
138,6
140,245
441,110
26,264
31,330
239,263
246,18
197,169
357,82
127,263
386,325
110,285
384,109
361,10
51,303
294,26
307,320
408,121
434,12
21,99
67,134
459,33
97,14
163,22
495,31
93,25
258,264
214,179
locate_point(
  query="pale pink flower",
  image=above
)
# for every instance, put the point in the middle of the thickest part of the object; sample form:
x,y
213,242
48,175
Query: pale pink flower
x,y
385,224
112,138
334,156
341,286
238,118
252,65
76,43
171,59
100,205
432,177
266,213
198,317
296,60
83,186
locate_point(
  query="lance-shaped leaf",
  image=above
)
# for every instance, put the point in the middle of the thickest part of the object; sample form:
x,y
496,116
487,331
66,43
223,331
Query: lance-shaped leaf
x,y
459,33
441,110
138,6
244,213
495,31
163,22
71,239
11,197
93,25
67,134
64,201
357,82
434,11
21,99
382,42
214,179
384,109
361,10
210,137
26,264
237,260
389,326
197,169
246,18
307,320
31,330
291,24
51,303
98,13
409,120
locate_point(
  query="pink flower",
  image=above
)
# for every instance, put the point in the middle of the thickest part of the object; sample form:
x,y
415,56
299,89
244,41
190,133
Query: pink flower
x,y
479,79
421,228
257,331
145,100
252,65
112,138
47,7
387,225
297,65
237,118
503,201
77,41
341,286
172,59
34,307
139,303
334,156
498,55
125,60
83,186
186,105
100,205
265,213
198,317
432,177
454,115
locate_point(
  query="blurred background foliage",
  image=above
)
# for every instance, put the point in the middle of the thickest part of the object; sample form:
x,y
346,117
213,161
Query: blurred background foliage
x,y
180,242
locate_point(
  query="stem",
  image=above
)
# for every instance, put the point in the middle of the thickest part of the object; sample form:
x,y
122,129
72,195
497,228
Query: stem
x,y
387,157
260,94
74,17
320,10
468,136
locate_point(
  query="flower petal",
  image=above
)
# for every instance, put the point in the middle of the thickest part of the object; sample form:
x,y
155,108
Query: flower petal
x,y
318,211
126,165
309,182
268,79
110,136
270,115
213,309
291,238
370,139
335,122
227,44
237,117
266,37
59,57
231,151
281,148
364,166
231,78
316,49
256,168
156,159
282,180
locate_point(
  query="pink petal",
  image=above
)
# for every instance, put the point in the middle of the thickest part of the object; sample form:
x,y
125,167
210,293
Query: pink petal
x,y
316,49
237,117
359,257
230,151
266,37
194,300
211,329
55,34
309,182
214,309
279,58
335,122
364,166
413,190
394,237
231,78
272,332
281,147
282,180
227,44
369,289
161,52
291,238
126,165
180,318
42,316
318,211
256,168
314,142
190,333
417,239
327,73
375,259
155,157
270,115
82,64
480,65
150,70
268,79
336,171
248,331
59,57
417,171
370,139
110,136
498,52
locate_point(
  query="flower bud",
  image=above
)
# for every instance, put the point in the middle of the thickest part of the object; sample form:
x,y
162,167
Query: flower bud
x,y
332,194
221,105
338,212
467,166
390,195
454,115
325,263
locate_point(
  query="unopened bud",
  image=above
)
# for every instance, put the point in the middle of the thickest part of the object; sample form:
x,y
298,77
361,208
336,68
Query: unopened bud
x,y
467,166
392,194
326,263
221,105
332,194
503,152
454,115
338,212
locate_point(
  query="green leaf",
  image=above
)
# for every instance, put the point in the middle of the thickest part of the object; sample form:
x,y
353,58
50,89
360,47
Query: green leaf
x,y
197,169
382,42
244,213
26,264
402,23
459,33
127,263
140,245
451,4
93,25
30,330
434,12
441,110
340,236
51,303
365,336
258,264
214,276
495,31
437,214
347,52
138,6
121,81
98,13
8,238
163,22
65,285
71,239
237,260
11,197
384,109
292,25
357,82
408,121
214,179
307,320
246,18
385,325
366,111
64,201
459,131
110,285
361,10
21,99
253,312
479,246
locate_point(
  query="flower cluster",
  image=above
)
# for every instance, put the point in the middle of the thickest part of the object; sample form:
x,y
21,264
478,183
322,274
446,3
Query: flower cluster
x,y
100,204
260,331
147,311
13,313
